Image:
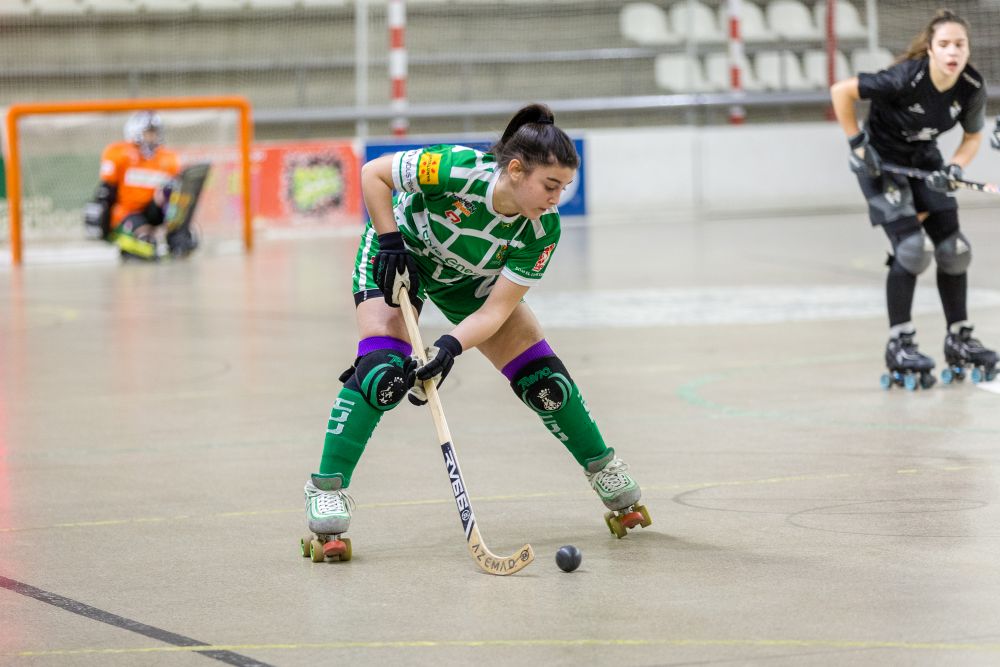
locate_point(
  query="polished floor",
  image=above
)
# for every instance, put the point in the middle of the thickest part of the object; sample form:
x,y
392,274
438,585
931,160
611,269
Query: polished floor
x,y
157,423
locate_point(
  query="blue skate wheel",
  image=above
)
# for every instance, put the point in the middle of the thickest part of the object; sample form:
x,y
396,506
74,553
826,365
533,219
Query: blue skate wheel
x,y
991,375
977,375
910,382
947,376
885,381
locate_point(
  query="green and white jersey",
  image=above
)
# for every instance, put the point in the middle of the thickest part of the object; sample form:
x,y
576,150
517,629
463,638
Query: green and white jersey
x,y
444,210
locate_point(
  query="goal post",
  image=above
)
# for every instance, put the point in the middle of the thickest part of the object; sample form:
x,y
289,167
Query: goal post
x,y
15,148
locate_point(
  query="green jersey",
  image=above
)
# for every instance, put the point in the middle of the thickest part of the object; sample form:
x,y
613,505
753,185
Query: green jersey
x,y
444,210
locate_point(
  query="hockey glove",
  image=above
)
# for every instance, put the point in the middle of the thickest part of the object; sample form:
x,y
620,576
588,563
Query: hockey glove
x,y
97,214
864,159
440,359
995,137
943,180
394,268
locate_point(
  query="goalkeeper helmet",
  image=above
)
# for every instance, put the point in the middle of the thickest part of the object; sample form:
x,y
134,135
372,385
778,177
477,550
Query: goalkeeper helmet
x,y
145,130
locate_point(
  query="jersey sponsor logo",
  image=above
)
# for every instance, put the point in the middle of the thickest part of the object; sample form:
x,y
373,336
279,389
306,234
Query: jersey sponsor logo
x,y
955,109
923,134
916,79
146,178
428,169
501,253
916,108
543,258
893,196
408,170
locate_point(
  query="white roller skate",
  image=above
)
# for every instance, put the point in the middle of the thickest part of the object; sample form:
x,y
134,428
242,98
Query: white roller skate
x,y
608,476
328,511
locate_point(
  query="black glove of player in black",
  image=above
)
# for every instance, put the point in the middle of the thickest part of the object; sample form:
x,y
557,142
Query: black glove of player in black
x,y
943,180
864,159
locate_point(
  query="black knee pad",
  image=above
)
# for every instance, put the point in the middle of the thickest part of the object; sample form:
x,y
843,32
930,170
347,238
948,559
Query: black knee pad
x,y
383,377
952,250
911,251
543,384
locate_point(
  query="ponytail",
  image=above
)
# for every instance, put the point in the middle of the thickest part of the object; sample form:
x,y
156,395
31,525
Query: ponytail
x,y
533,138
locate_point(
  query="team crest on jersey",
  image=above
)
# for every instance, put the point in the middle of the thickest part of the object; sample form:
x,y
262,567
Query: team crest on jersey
x,y
428,168
462,207
955,109
501,253
543,258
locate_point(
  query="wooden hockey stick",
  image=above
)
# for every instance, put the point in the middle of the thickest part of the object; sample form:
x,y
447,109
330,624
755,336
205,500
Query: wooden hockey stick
x,y
486,560
912,172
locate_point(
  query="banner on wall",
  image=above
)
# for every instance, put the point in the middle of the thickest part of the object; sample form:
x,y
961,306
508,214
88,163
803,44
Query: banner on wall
x,y
573,200
314,183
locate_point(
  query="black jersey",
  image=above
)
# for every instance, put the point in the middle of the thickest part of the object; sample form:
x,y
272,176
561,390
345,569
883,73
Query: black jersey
x,y
908,113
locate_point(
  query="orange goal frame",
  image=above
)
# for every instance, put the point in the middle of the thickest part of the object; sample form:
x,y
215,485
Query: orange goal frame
x,y
18,111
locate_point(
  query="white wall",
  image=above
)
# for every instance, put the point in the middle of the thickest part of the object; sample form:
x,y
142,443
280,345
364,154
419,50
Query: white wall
x,y
738,169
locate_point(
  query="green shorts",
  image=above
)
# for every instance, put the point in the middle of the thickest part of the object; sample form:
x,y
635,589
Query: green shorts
x,y
457,300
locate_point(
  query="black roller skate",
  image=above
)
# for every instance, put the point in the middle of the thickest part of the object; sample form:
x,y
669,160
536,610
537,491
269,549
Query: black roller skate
x,y
962,351
907,366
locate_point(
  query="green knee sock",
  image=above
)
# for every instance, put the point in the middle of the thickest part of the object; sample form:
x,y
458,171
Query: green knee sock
x,y
576,429
352,421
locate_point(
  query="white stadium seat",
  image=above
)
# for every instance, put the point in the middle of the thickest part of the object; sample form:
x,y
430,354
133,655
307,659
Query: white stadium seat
x,y
814,67
863,60
163,6
220,5
60,7
717,73
792,20
113,6
846,19
780,70
678,73
646,24
753,27
693,19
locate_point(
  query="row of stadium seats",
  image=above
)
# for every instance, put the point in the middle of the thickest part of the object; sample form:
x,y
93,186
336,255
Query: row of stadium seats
x,y
80,7
651,25
768,70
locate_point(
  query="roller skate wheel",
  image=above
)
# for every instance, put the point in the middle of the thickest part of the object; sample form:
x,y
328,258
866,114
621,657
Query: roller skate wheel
x,y
646,521
347,550
947,376
334,549
927,380
304,545
631,519
316,551
615,524
991,375
885,381
977,375
910,382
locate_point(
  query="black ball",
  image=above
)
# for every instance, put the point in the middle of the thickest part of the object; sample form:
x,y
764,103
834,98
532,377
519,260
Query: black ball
x,y
568,558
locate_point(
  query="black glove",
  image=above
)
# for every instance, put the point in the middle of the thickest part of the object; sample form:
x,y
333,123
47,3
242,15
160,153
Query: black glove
x,y
395,267
943,180
440,359
864,158
995,137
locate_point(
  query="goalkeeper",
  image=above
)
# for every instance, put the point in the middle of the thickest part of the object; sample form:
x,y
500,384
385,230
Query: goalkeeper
x,y
137,176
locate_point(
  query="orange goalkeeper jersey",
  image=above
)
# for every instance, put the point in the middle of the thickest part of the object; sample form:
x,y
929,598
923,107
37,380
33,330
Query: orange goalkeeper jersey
x,y
137,178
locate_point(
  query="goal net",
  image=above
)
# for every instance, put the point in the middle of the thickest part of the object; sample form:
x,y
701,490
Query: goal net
x,y
53,153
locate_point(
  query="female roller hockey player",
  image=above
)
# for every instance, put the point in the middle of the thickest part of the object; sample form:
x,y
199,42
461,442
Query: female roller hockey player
x,y
929,89
473,232
136,177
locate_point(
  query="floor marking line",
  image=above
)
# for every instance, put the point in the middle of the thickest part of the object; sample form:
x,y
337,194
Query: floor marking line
x,y
95,614
542,643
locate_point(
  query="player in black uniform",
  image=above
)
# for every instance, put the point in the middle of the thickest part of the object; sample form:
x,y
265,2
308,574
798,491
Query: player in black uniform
x,y
929,90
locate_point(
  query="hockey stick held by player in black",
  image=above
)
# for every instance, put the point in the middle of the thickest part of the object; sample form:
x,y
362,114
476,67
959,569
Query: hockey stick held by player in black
x,y
960,183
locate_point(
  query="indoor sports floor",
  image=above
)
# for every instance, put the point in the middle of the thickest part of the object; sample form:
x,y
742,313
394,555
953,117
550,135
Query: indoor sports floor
x,y
157,423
